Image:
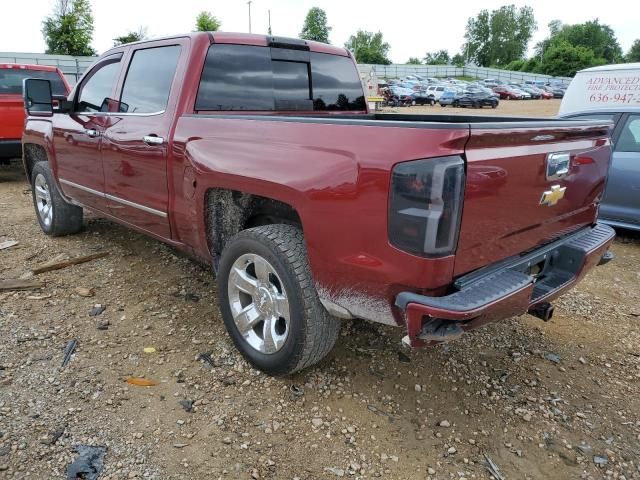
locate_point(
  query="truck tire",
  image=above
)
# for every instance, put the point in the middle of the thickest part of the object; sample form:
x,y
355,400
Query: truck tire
x,y
269,303
56,216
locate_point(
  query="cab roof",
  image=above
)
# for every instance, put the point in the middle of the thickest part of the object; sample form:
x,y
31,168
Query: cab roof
x,y
257,40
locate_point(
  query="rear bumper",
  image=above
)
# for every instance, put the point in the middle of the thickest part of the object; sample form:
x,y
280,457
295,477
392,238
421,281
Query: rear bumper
x,y
10,148
505,289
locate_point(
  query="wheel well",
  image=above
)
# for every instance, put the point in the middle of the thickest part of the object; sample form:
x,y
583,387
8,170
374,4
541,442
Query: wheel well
x,y
230,211
33,154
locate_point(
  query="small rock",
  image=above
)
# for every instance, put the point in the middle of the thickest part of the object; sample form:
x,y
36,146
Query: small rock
x,y
417,388
553,357
97,310
445,424
431,471
84,291
600,461
316,422
187,405
451,450
527,417
582,361
338,472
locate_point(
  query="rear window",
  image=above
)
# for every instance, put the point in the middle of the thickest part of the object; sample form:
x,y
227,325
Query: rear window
x,y
244,77
11,80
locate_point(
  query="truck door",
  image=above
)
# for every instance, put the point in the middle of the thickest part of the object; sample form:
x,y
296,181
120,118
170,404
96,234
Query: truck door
x,y
77,135
136,144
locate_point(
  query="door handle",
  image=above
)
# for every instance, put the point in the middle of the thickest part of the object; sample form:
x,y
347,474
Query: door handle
x,y
90,132
153,140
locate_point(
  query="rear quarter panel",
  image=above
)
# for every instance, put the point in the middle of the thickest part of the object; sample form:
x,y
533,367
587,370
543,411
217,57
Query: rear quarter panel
x,y
336,177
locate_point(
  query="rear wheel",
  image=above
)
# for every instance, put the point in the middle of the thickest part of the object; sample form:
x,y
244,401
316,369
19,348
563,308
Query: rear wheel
x,y
55,215
455,104
269,303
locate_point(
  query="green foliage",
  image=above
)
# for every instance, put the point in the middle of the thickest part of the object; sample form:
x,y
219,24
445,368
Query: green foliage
x,y
458,60
130,37
441,57
598,38
369,47
206,22
315,26
634,52
500,36
69,29
564,60
516,65
414,61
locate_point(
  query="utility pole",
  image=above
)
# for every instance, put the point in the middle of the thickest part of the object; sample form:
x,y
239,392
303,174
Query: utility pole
x,y
249,3
269,11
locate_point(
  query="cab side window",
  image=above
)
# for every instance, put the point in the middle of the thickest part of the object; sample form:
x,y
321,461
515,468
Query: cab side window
x,y
148,83
98,86
629,140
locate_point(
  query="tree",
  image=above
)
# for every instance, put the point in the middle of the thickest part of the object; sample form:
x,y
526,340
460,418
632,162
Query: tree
x,y
634,52
369,47
69,29
564,60
441,57
501,36
458,60
414,61
132,36
315,26
206,22
598,38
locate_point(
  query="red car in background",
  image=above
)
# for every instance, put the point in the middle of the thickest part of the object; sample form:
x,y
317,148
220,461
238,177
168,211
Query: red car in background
x,y
12,105
507,93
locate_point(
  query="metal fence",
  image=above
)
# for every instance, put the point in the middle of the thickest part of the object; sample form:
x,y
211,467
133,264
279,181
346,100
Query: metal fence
x,y
72,67
443,71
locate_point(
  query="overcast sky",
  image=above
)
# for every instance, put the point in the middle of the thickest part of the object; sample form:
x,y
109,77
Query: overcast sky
x,y
412,27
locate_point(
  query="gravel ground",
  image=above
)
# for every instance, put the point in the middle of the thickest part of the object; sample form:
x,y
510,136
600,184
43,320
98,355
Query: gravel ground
x,y
555,400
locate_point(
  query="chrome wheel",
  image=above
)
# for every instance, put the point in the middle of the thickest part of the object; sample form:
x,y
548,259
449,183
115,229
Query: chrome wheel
x,y
259,303
43,200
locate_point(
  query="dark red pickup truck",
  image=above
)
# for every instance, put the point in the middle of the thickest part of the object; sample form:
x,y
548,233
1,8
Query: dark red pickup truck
x,y
259,155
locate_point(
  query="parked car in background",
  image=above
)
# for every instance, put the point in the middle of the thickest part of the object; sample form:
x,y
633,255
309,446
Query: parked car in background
x,y
477,99
599,93
533,92
448,97
555,91
508,93
436,91
12,105
310,208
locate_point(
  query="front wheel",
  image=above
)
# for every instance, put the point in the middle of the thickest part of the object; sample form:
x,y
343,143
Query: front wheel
x,y
55,215
269,303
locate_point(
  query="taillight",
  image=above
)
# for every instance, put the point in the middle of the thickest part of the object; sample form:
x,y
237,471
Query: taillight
x,y
425,205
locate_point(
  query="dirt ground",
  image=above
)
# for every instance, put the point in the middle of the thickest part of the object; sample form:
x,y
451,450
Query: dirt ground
x,y
556,400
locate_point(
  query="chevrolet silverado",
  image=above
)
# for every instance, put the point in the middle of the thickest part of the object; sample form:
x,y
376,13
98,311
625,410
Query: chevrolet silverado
x,y
259,156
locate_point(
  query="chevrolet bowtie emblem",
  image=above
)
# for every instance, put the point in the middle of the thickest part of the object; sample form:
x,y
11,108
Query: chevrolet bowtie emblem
x,y
553,196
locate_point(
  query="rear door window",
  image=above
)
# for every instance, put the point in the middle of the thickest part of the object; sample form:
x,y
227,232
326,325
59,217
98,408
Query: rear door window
x,y
244,77
148,83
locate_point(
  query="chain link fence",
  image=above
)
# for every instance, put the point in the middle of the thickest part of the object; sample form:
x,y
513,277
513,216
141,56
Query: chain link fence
x,y
445,71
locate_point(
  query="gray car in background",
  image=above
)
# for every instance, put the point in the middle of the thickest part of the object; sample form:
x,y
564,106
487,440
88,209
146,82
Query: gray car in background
x,y
620,205
612,92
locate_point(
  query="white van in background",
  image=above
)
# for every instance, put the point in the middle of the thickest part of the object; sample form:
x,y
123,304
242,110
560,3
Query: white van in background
x,y
612,92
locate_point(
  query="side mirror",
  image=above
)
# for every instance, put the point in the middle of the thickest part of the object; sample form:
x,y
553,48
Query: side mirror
x,y
38,100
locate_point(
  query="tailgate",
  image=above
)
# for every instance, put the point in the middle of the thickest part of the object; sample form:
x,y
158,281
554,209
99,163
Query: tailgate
x,y
12,117
513,202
